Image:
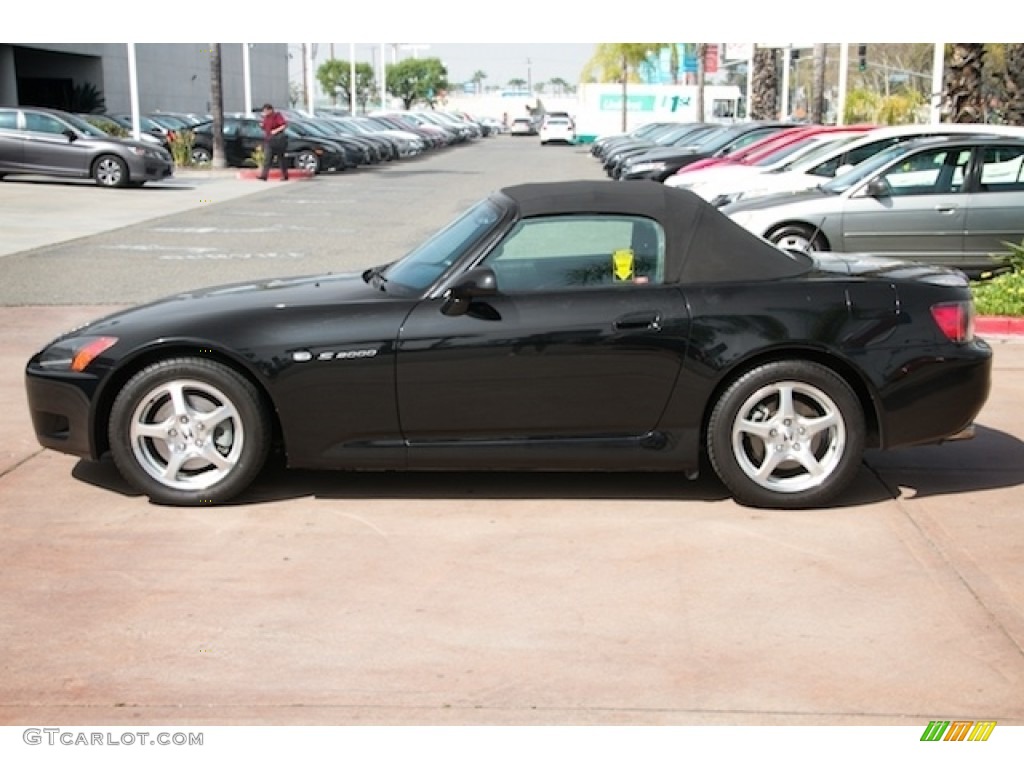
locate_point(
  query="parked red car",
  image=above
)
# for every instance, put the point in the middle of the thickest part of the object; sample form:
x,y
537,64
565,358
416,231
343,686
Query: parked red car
x,y
752,154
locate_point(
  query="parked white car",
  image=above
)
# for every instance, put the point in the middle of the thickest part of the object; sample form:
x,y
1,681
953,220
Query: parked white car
x,y
718,179
819,167
557,129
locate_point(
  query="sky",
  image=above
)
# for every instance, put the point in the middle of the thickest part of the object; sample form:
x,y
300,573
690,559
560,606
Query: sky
x,y
502,62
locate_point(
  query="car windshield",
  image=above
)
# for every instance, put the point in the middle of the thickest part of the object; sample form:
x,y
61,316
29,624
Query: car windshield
x,y
812,157
858,173
782,153
85,127
422,266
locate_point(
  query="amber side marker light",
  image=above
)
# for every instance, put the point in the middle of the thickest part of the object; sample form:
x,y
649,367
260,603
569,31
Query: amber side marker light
x,y
91,351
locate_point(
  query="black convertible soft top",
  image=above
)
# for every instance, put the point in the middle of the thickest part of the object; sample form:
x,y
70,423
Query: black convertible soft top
x,y
702,243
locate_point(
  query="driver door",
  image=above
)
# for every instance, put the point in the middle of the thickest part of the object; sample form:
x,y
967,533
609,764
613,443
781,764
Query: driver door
x,y
576,354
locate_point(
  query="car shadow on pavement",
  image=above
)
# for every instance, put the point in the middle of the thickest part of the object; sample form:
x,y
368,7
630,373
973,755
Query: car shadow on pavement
x,y
172,184
993,459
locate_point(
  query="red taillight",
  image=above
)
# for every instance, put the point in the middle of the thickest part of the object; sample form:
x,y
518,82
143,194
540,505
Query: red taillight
x,y
171,135
955,319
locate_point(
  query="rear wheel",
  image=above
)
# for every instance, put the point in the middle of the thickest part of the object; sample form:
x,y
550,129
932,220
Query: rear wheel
x,y
110,171
307,160
201,155
189,431
787,434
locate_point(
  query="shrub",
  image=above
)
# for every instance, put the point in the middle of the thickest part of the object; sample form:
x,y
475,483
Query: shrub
x,y
256,158
1003,294
181,147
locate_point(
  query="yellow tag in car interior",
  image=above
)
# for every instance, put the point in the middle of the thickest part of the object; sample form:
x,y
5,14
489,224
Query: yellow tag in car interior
x,y
622,264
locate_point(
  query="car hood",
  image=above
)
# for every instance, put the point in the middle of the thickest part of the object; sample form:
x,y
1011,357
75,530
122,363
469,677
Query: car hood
x,y
106,141
667,153
776,199
183,313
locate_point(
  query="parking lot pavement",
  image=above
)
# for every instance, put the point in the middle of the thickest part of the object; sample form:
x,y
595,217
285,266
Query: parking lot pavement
x,y
458,598
341,598
29,216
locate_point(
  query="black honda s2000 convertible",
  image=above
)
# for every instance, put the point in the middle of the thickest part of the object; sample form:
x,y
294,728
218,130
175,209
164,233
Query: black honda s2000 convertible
x,y
569,325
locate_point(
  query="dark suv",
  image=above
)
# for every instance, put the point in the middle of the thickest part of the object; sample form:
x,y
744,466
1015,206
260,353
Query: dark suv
x,y
34,140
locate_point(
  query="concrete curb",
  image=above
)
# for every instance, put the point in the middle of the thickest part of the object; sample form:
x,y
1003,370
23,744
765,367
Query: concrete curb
x,y
1002,326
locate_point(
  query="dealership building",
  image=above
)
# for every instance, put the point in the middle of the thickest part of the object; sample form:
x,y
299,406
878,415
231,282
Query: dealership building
x,y
171,77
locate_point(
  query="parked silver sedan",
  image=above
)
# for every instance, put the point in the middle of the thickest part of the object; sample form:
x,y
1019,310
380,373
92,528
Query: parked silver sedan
x,y
49,142
954,201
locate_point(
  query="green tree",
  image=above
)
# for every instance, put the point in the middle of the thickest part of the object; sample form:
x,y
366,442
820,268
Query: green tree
x,y
413,80
517,83
478,80
335,77
559,86
620,62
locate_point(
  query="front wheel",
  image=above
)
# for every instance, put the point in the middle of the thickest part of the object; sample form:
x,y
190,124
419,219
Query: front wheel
x,y
787,434
189,431
110,171
201,155
798,237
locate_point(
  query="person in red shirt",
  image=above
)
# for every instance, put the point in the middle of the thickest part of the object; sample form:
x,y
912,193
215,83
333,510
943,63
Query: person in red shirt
x,y
274,141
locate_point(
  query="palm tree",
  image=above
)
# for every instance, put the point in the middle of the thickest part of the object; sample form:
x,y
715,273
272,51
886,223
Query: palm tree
x,y
702,52
559,85
517,83
478,79
963,96
818,88
763,102
1013,84
217,107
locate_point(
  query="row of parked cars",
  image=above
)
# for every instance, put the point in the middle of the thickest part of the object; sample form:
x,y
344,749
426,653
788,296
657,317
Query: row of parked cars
x,y
948,194
36,140
328,141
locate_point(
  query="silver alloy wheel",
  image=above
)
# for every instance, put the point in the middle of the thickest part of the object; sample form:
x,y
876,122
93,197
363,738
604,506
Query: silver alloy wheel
x,y
796,242
109,172
186,434
789,436
307,161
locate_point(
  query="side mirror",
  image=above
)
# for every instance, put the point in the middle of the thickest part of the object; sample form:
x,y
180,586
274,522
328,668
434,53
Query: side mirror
x,y
877,188
475,284
72,136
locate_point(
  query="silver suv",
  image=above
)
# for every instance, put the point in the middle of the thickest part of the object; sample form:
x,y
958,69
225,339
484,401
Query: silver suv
x,y
53,143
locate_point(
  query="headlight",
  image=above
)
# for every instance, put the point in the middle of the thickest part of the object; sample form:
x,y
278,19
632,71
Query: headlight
x,y
74,354
644,167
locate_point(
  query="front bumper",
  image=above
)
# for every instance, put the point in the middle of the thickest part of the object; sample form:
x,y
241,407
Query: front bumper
x,y
60,405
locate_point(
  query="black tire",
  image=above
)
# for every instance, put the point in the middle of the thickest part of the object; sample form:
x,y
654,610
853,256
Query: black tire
x,y
799,237
188,431
798,411
201,155
110,171
307,160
